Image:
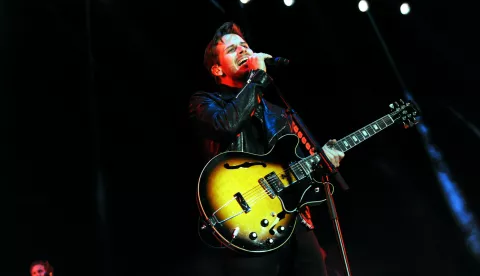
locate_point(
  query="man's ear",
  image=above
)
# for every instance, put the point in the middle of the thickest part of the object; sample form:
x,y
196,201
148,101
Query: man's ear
x,y
217,70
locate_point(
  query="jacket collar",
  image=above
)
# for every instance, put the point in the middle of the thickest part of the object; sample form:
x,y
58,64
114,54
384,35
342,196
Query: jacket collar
x,y
227,92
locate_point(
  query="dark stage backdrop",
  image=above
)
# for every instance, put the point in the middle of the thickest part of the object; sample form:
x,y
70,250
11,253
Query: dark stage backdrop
x,y
102,171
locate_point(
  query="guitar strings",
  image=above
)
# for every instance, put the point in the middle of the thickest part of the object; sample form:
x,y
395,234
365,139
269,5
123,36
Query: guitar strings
x,y
248,193
258,192
318,201
254,195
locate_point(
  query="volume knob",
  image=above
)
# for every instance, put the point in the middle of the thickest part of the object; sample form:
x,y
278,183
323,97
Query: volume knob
x,y
253,236
269,241
281,229
264,222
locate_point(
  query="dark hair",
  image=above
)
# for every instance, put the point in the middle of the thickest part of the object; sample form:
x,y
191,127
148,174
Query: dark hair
x,y
46,265
210,57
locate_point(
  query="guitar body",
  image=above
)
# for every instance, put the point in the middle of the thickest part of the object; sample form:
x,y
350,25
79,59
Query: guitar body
x,y
253,197
250,201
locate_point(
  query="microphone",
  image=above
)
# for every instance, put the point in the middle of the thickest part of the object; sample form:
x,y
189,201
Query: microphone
x,y
277,61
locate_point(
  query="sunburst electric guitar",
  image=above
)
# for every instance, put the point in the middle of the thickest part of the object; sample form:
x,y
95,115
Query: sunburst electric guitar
x,y
250,201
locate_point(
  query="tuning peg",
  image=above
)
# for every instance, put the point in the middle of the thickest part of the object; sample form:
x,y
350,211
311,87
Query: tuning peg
x,y
391,106
397,104
402,102
405,125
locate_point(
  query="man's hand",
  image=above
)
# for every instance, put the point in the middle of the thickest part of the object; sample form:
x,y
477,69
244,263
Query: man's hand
x,y
257,61
334,155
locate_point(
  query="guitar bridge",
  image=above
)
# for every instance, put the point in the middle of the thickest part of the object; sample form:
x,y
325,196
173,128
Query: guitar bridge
x,y
245,207
212,220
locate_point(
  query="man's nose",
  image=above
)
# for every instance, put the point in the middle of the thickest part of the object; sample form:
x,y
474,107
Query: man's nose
x,y
242,49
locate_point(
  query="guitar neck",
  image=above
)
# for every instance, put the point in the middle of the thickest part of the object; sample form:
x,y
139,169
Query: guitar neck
x,y
308,164
364,133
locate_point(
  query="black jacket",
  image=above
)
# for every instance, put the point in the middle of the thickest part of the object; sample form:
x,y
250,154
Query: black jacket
x,y
223,119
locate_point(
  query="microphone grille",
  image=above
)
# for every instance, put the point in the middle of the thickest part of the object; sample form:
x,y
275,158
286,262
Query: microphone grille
x,y
282,61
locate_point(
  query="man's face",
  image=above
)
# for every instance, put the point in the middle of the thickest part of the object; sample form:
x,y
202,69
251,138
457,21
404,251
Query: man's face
x,y
232,53
38,270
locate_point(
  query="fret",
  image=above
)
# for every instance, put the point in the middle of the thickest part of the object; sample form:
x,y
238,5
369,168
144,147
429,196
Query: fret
x,y
359,136
370,130
388,120
350,141
375,127
363,134
340,147
355,139
345,143
381,123
306,165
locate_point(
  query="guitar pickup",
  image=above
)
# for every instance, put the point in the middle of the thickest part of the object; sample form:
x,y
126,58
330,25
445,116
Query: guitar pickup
x,y
243,203
263,182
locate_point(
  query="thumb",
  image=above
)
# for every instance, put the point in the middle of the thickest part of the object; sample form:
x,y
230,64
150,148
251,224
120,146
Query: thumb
x,y
264,55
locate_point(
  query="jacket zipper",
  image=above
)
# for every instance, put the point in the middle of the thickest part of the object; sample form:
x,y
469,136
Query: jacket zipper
x,y
248,82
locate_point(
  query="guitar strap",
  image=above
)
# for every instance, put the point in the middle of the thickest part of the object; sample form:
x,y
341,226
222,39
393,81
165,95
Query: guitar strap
x,y
306,217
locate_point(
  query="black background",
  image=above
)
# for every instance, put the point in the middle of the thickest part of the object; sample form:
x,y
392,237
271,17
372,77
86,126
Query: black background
x,y
101,169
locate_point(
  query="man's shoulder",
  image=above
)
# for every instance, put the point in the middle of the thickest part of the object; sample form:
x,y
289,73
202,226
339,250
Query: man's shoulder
x,y
203,94
202,98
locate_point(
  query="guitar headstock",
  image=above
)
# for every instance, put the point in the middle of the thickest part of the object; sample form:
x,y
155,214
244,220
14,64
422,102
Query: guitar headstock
x,y
404,112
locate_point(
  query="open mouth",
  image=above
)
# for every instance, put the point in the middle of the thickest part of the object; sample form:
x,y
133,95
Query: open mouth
x,y
242,61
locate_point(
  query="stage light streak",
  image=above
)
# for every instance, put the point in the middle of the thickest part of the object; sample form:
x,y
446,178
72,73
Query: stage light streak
x,y
452,193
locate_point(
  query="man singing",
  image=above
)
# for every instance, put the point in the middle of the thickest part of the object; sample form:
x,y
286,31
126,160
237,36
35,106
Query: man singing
x,y
236,117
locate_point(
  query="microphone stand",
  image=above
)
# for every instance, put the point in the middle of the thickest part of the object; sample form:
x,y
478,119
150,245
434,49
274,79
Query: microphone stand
x,y
328,169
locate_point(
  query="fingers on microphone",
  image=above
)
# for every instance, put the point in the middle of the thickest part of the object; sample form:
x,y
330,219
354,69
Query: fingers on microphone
x,y
263,55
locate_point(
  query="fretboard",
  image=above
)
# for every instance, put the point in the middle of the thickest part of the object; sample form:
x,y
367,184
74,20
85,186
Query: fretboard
x,y
306,166
363,134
